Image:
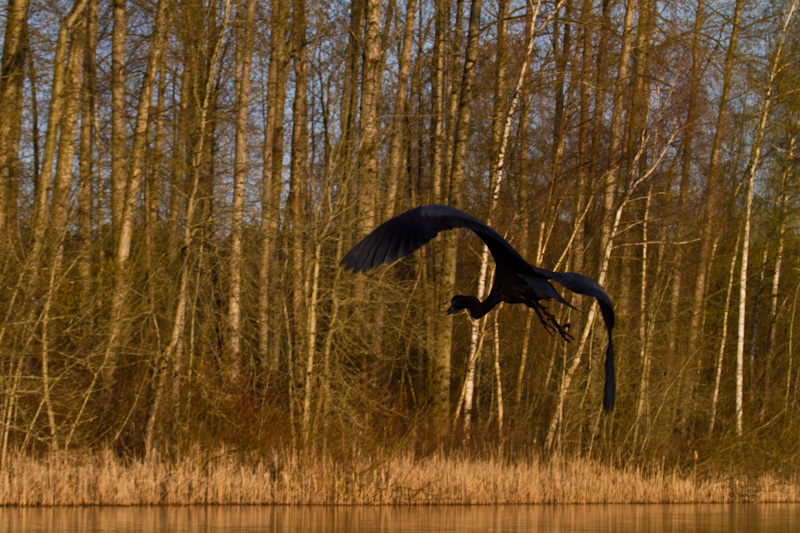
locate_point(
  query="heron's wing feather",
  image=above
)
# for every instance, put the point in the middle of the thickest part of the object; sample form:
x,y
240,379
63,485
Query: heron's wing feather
x,y
402,235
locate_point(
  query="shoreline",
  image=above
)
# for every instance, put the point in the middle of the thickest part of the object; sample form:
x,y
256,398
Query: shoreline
x,y
103,479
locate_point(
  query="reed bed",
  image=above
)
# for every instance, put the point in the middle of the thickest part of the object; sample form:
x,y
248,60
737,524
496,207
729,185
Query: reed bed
x,y
286,478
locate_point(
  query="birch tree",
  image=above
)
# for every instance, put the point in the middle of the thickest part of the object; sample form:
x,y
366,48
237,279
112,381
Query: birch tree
x,y
244,44
750,175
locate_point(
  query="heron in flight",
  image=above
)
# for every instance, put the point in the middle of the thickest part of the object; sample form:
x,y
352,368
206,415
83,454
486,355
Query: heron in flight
x,y
515,280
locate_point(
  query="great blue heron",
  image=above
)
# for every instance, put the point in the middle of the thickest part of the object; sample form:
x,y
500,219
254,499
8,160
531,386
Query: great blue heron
x,y
515,280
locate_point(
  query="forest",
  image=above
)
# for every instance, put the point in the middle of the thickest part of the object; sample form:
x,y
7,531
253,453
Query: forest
x,y
179,180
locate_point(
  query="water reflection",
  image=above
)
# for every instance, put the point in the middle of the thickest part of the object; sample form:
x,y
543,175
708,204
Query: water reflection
x,y
749,518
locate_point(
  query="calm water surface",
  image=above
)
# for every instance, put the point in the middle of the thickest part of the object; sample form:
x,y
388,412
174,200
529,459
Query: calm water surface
x,y
746,518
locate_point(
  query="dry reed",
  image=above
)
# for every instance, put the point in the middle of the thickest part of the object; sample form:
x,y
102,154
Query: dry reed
x,y
286,478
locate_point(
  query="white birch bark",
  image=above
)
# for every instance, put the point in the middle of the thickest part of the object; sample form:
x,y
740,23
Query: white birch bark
x,y
242,75
644,353
752,166
723,337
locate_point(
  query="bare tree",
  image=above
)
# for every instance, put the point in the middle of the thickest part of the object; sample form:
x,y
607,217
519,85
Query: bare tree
x,y
244,43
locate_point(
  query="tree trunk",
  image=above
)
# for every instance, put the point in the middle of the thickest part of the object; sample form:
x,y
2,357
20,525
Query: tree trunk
x,y
440,368
644,353
44,182
268,318
119,133
401,110
369,184
298,184
752,166
311,328
12,77
709,216
87,140
437,101
244,53
723,337
776,278
498,121
498,384
132,189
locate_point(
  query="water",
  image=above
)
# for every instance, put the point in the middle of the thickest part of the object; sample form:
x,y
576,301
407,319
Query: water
x,y
701,518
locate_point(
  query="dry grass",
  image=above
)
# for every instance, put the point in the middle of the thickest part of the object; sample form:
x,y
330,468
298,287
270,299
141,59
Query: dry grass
x,y
104,479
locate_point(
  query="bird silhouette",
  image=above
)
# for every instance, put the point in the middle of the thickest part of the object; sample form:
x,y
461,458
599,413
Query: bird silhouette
x,y
515,280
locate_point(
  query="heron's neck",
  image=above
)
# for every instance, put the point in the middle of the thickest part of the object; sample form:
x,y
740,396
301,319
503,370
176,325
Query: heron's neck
x,y
478,309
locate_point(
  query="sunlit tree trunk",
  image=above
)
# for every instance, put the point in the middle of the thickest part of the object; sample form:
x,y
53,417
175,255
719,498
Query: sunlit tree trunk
x,y
311,329
59,214
561,43
498,121
368,187
51,229
119,133
438,101
454,76
244,53
11,85
86,165
776,278
525,201
401,110
723,337
585,168
298,184
11,81
498,383
268,311
618,100
501,133
436,323
644,353
57,98
353,54
132,190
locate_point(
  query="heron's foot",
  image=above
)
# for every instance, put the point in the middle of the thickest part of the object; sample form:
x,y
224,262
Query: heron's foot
x,y
552,326
563,330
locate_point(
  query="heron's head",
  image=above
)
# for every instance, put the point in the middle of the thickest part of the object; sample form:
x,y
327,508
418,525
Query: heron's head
x,y
460,302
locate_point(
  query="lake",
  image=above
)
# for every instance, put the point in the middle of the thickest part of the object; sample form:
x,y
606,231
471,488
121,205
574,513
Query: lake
x,y
745,518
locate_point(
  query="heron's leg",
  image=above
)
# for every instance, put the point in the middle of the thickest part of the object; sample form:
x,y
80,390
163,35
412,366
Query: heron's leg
x,y
550,323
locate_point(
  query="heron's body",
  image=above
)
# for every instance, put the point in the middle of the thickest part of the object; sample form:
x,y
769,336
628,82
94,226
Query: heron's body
x,y
515,280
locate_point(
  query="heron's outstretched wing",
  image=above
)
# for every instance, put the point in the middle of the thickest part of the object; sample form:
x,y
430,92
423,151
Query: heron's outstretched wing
x,y
581,284
410,230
